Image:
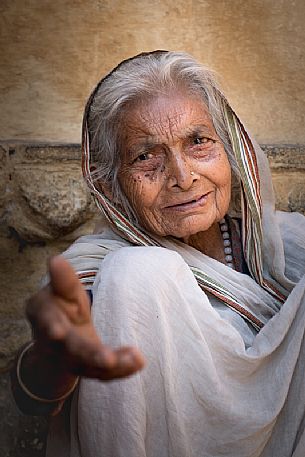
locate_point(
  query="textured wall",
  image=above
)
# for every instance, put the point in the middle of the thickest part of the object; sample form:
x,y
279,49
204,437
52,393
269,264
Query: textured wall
x,y
54,51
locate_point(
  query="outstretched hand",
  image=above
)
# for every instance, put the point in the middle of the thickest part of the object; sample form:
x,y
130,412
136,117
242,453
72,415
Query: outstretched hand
x,y
63,330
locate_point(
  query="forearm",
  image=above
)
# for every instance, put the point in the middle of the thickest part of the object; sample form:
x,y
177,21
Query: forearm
x,y
44,376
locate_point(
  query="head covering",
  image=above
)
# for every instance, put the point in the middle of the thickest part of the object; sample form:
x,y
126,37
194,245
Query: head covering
x,y
262,247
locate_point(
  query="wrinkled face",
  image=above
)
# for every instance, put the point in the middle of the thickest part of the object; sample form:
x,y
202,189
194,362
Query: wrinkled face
x,y
174,172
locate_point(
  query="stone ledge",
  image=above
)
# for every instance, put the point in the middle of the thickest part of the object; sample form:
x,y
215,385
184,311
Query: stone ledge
x,y
285,156
42,151
62,152
43,195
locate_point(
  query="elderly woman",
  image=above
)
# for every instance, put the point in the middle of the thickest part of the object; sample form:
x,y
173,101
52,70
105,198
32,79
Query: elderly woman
x,y
192,265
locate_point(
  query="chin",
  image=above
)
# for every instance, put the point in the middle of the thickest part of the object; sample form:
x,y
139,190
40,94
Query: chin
x,y
184,227
191,229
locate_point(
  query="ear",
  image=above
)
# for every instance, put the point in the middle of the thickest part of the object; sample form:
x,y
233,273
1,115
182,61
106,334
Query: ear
x,y
103,187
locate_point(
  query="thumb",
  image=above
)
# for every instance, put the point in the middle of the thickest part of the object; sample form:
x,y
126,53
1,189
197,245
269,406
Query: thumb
x,y
63,279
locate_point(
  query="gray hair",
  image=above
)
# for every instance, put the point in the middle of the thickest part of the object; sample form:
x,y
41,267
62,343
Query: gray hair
x,y
137,79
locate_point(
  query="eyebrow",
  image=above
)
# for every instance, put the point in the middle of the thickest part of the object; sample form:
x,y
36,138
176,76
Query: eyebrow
x,y
145,145
201,129
150,141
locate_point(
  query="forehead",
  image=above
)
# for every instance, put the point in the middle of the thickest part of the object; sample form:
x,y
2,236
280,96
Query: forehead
x,y
166,116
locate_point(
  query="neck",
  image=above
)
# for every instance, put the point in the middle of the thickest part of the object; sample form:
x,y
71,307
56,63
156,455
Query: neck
x,y
209,242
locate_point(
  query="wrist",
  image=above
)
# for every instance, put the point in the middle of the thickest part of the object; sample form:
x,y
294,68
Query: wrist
x,y
43,376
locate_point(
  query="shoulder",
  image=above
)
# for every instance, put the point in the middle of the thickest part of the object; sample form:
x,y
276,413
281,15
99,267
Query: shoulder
x,y
292,227
146,270
150,259
285,218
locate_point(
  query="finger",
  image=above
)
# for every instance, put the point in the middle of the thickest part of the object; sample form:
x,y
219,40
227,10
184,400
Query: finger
x,y
129,360
39,305
90,358
118,364
63,280
50,324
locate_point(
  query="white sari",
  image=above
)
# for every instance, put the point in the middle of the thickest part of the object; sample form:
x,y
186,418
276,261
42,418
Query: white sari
x,y
212,385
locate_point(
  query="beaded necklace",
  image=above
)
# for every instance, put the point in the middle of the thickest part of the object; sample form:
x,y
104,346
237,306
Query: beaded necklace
x,y
227,246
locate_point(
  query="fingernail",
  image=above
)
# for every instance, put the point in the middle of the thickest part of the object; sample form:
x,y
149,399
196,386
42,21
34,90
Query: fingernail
x,y
132,357
128,358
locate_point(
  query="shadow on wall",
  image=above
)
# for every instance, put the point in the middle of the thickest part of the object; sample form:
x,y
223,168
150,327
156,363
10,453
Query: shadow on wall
x,y
21,436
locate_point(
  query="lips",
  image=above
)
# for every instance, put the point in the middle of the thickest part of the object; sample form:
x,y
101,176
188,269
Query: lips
x,y
190,203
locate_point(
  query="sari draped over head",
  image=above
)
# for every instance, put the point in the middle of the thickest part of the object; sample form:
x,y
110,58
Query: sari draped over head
x,y
225,352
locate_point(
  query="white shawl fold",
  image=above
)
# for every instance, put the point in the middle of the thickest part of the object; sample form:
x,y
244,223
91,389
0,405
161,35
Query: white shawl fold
x,y
211,386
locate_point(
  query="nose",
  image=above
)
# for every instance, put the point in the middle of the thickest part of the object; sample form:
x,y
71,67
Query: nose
x,y
180,172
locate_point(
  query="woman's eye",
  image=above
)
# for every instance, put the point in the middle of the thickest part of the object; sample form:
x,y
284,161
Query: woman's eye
x,y
144,156
201,140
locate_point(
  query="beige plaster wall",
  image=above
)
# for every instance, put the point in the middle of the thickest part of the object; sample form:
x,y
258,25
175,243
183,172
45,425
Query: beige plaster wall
x,y
54,51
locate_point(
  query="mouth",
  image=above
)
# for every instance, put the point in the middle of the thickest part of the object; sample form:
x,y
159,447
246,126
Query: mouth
x,y
190,204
